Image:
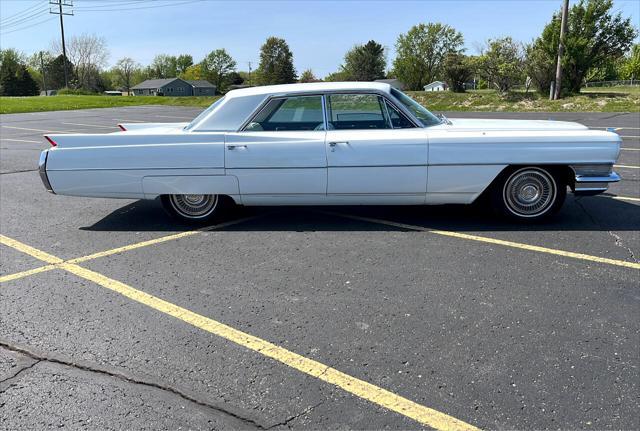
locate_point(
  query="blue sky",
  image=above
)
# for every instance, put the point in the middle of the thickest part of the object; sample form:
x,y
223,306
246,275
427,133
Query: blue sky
x,y
318,32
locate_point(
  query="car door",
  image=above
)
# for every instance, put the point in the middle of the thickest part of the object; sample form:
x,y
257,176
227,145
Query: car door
x,y
281,151
373,149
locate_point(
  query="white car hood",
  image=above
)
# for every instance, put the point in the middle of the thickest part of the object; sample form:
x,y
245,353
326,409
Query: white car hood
x,y
474,124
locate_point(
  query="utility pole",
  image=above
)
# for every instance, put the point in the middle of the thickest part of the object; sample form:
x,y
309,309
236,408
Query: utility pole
x,y
563,30
60,11
44,81
249,75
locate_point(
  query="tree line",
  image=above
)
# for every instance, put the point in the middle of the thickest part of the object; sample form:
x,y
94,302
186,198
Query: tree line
x,y
599,46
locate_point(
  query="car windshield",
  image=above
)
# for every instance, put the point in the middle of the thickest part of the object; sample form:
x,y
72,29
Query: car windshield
x,y
203,114
423,115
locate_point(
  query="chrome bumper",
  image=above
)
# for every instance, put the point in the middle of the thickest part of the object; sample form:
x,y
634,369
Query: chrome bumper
x,y
585,185
42,170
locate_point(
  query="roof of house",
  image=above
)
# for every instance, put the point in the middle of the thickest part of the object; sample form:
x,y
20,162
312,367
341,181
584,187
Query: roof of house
x,y
435,84
153,83
310,86
201,83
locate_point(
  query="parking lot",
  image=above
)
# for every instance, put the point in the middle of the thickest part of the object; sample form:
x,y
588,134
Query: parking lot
x,y
112,316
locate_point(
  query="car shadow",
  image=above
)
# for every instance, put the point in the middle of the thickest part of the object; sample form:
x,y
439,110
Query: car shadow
x,y
598,213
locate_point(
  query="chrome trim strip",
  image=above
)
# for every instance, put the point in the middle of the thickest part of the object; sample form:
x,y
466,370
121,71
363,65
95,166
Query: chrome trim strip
x,y
42,170
611,178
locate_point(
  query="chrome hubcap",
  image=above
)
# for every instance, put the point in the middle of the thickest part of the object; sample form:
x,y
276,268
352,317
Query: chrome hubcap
x,y
194,206
529,192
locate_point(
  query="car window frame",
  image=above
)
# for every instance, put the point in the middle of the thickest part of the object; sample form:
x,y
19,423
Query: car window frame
x,y
265,103
387,96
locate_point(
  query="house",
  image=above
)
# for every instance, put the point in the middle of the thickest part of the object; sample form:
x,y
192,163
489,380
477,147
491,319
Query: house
x,y
173,87
436,86
203,88
395,83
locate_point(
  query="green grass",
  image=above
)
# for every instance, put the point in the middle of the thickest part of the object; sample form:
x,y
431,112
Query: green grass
x,y
12,105
602,99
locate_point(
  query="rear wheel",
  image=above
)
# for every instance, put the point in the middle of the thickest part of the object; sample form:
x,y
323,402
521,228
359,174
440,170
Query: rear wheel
x,y
529,193
193,208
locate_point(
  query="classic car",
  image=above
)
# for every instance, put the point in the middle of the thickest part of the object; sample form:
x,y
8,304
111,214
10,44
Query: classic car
x,y
348,143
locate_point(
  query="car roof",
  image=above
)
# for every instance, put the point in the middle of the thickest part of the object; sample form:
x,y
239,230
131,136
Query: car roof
x,y
309,87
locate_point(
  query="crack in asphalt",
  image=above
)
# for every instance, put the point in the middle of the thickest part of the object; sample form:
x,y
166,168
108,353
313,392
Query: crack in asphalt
x,y
18,172
294,417
15,375
618,241
38,358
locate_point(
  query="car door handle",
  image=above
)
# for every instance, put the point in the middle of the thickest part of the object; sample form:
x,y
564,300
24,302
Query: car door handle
x,y
336,143
233,147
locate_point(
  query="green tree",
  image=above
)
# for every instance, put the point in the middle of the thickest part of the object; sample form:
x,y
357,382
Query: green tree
x,y
540,66
630,66
276,63
365,62
183,62
124,72
308,76
193,73
163,66
457,69
420,53
338,76
595,36
55,73
15,79
216,67
502,64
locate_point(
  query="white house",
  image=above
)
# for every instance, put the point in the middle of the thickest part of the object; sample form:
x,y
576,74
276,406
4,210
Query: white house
x,y
436,86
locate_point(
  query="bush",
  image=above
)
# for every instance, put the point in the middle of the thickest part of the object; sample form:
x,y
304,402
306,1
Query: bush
x,y
76,92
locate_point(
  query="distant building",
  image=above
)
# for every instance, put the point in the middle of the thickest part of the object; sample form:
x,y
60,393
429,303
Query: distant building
x,y
395,83
173,87
436,86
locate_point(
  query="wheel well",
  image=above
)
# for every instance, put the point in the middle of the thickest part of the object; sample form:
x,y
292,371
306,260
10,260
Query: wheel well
x,y
563,173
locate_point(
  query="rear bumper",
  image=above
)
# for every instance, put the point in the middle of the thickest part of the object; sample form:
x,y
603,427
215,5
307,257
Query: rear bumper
x,y
585,185
42,170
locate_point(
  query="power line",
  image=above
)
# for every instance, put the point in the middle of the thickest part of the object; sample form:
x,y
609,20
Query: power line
x,y
24,19
28,26
91,9
22,12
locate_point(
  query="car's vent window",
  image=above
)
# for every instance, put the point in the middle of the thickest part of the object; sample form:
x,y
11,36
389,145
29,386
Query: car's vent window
x,y
398,120
289,114
356,111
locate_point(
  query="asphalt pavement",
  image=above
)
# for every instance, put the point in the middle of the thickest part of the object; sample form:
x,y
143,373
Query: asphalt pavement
x,y
112,316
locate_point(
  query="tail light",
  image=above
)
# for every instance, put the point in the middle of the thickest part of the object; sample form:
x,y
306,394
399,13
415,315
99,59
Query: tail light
x,y
53,144
122,127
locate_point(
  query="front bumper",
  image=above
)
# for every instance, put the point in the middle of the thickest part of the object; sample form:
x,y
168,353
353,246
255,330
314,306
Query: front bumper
x,y
42,170
587,185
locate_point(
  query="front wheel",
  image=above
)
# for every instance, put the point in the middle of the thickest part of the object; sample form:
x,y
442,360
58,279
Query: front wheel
x,y
529,194
193,208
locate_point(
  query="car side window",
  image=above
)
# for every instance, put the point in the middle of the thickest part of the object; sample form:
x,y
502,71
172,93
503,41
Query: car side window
x,y
356,111
289,114
398,119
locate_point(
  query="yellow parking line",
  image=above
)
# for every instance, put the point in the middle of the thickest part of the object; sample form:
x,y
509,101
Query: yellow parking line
x,y
134,246
630,149
117,250
26,249
360,388
627,166
496,241
27,273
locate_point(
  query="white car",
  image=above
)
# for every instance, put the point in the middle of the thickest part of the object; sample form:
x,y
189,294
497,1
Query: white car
x,y
347,143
